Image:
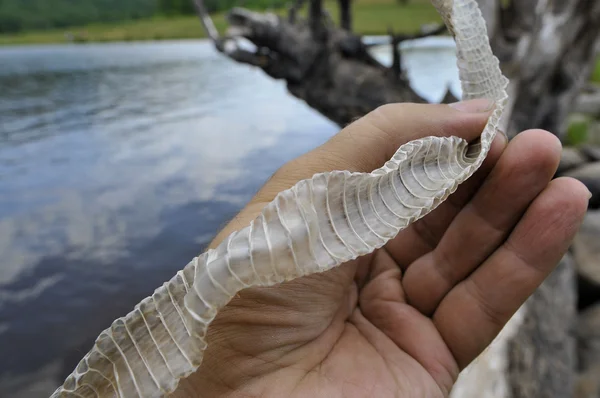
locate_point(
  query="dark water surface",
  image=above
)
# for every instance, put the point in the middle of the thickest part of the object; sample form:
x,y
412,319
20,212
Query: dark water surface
x,y
118,164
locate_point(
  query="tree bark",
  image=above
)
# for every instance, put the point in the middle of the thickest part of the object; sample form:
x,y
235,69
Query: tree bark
x,y
207,23
542,356
547,49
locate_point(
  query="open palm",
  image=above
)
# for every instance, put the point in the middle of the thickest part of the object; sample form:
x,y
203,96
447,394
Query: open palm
x,y
404,320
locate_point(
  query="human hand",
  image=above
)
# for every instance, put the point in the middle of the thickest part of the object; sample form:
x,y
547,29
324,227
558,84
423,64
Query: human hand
x,y
404,320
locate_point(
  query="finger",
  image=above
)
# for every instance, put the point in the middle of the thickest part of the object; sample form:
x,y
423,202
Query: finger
x,y
523,171
475,311
424,235
368,143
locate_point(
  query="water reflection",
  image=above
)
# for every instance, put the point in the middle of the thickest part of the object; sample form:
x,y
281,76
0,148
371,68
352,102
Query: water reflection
x,y
118,164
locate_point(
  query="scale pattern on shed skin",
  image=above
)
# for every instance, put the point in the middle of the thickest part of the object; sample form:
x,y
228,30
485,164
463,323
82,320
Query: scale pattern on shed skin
x,y
312,227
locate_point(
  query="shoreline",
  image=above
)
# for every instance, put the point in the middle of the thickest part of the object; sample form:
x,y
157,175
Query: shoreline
x,y
372,17
153,29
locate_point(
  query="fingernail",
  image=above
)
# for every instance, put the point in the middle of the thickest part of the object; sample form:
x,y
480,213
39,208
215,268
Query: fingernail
x,y
503,135
590,194
480,105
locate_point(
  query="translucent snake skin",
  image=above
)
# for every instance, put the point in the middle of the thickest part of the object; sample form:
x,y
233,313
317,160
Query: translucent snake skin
x,y
312,227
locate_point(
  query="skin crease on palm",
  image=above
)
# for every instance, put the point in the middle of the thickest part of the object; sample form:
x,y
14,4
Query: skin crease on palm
x,y
404,320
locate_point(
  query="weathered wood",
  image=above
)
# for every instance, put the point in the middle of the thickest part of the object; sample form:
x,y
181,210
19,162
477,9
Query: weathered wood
x,y
588,336
547,49
588,344
588,102
586,249
329,68
207,23
588,384
322,70
542,355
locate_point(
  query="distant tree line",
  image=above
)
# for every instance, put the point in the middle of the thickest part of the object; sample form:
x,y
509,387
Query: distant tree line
x,y
174,7
20,15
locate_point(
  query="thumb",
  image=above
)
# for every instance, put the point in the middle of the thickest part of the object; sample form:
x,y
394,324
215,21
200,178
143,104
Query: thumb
x,y
372,140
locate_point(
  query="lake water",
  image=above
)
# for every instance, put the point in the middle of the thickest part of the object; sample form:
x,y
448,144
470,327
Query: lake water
x,y
118,164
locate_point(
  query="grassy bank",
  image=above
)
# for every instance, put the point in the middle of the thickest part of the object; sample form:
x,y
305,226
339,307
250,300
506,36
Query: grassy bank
x,y
371,17
159,28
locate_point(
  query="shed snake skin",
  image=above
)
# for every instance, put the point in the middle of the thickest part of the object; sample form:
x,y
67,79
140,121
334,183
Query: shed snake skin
x,y
312,227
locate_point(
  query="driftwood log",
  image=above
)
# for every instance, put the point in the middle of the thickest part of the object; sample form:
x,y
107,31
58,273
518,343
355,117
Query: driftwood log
x,y
328,67
547,49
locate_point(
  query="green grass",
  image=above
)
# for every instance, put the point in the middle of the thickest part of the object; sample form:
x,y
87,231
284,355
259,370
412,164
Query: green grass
x,y
577,132
150,29
374,17
371,17
596,72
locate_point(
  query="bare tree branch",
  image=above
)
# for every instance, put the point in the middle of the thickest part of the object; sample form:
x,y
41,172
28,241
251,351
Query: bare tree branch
x,y
206,20
346,14
396,54
321,70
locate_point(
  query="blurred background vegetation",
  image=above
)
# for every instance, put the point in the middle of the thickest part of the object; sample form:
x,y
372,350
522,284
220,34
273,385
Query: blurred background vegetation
x,y
20,15
55,21
59,21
